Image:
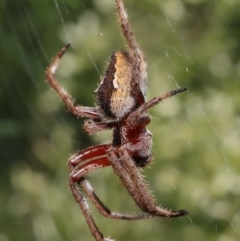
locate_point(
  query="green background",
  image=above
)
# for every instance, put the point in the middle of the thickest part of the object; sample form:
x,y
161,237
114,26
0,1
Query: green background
x,y
193,43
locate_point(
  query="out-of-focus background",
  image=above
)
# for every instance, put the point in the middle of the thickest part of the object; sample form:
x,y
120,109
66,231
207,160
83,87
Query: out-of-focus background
x,y
193,43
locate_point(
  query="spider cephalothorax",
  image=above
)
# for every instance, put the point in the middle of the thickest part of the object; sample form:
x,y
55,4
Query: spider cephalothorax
x,y
122,108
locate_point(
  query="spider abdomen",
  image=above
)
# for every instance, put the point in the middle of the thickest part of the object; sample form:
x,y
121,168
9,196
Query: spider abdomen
x,y
114,92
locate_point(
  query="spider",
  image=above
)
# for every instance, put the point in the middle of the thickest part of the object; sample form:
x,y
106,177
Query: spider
x,y
122,108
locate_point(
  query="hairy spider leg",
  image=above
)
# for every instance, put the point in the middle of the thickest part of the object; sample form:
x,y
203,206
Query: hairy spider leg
x,y
82,111
76,176
95,157
148,203
126,28
87,187
156,100
88,160
124,176
82,202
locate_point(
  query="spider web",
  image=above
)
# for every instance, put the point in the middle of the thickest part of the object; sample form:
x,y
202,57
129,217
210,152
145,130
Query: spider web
x,y
192,43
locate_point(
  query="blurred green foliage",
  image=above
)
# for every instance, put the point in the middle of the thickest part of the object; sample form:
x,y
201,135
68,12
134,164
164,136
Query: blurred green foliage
x,y
193,43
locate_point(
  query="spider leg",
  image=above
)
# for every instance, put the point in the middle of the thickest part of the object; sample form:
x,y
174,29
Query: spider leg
x,y
125,26
82,202
154,101
147,203
87,187
125,177
88,160
85,162
82,111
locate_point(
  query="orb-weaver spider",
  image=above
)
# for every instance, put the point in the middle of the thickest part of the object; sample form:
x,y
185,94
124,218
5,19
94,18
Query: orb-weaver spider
x,y
122,108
